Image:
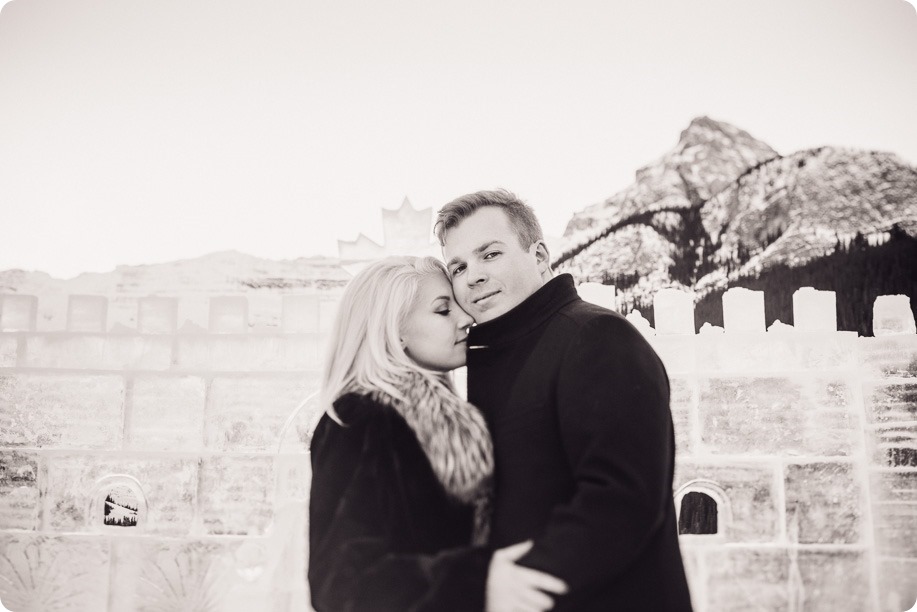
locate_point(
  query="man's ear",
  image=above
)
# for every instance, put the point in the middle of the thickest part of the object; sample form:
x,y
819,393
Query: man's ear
x,y
543,257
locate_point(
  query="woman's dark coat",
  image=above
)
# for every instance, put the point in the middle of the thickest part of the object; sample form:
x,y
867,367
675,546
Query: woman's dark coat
x,y
577,403
383,532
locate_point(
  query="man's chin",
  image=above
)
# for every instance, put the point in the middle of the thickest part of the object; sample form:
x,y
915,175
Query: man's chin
x,y
487,315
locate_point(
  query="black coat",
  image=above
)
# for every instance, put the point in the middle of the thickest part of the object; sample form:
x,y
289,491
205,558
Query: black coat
x,y
578,407
383,533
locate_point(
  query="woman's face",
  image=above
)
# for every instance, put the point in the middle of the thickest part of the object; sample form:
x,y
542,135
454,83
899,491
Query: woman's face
x,y
435,329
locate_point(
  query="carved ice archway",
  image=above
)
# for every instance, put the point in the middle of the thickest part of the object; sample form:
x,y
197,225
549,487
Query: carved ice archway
x,y
117,502
704,496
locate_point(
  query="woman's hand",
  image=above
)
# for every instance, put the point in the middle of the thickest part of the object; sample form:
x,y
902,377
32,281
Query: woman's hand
x,y
514,588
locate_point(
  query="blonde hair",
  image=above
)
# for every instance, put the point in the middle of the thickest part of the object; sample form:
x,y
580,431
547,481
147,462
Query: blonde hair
x,y
364,351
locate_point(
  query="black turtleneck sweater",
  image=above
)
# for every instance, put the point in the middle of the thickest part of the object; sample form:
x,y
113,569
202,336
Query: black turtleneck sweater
x,y
578,406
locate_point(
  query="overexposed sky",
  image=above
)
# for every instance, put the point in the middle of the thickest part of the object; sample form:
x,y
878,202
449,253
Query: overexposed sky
x,y
143,131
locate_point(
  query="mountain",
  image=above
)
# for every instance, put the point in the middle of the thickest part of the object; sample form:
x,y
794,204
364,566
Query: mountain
x,y
226,272
193,280
723,205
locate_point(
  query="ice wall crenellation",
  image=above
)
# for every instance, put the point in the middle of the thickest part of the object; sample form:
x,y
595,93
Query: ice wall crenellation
x,y
796,466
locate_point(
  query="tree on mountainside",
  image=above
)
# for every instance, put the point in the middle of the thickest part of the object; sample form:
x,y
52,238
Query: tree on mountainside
x,y
857,272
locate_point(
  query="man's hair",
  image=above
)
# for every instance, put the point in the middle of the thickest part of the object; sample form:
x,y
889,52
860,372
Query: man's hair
x,y
521,216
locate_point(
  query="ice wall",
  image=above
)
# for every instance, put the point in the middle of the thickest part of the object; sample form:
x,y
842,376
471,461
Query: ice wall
x,y
801,441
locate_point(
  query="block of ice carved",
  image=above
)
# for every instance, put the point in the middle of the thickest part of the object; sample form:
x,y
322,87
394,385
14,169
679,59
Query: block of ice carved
x,y
747,579
895,529
824,502
825,350
9,351
894,445
897,583
54,411
122,314
780,416
161,574
743,310
287,554
889,356
18,312
237,494
248,413
752,513
676,351
779,327
98,352
327,311
166,413
599,294
265,312
708,329
738,353
66,574
890,402
891,314
193,313
639,321
87,313
294,475
814,311
228,314
157,315
835,580
256,353
169,485
893,486
683,404
300,313
673,312
20,499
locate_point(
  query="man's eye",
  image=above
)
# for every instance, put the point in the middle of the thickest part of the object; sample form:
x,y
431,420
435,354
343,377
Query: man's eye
x,y
491,255
457,269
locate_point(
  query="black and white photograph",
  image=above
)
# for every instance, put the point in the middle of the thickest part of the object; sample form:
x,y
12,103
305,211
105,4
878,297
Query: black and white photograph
x,y
313,306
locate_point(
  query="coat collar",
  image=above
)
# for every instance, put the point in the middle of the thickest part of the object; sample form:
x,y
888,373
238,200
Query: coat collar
x,y
451,432
531,313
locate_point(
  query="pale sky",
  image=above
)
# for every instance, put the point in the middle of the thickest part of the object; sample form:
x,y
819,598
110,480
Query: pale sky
x,y
144,131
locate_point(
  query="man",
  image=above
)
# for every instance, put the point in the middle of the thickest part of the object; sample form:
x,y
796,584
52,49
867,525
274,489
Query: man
x,y
578,406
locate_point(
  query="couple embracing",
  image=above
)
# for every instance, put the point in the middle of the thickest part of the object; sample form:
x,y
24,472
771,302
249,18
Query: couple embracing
x,y
550,488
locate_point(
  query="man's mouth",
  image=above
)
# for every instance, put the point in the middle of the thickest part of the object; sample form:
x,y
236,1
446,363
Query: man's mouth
x,y
484,297
461,341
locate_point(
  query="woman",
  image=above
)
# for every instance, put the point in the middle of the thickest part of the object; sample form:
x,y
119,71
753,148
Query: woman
x,y
401,465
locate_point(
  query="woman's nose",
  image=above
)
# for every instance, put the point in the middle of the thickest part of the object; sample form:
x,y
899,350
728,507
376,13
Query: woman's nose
x,y
465,320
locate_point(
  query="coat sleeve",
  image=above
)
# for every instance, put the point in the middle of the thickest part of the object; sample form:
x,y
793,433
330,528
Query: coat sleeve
x,y
616,428
352,561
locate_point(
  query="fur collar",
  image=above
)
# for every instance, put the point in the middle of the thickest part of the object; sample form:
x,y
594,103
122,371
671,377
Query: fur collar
x,y
451,432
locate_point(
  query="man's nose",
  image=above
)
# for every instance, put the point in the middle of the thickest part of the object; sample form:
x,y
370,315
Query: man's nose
x,y
475,275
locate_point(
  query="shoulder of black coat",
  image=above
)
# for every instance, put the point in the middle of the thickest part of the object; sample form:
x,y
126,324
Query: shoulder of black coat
x,y
357,409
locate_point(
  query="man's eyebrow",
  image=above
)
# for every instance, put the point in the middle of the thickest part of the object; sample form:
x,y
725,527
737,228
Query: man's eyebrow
x,y
477,251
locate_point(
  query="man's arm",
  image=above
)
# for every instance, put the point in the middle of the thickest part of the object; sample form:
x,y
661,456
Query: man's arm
x,y
615,425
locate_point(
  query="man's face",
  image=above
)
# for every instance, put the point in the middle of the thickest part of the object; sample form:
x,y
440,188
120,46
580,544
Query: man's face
x,y
491,273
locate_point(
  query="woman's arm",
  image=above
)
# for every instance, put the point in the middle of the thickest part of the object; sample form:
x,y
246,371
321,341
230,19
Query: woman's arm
x,y
353,564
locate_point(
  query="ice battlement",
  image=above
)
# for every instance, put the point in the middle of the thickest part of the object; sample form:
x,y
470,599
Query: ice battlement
x,y
796,448
743,312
